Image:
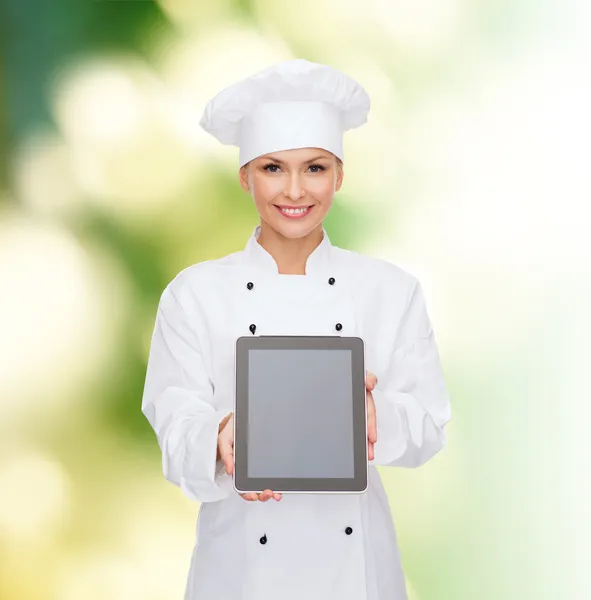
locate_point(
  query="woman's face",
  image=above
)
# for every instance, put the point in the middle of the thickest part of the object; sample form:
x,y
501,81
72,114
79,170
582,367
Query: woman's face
x,y
299,178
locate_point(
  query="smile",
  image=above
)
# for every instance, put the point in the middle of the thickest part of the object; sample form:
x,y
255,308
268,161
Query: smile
x,y
293,213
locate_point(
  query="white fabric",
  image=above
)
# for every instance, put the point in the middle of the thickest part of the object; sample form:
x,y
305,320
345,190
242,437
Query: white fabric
x,y
190,388
292,104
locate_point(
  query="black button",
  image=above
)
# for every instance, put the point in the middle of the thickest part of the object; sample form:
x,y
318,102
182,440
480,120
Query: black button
x,y
349,531
331,281
253,328
338,326
263,540
250,285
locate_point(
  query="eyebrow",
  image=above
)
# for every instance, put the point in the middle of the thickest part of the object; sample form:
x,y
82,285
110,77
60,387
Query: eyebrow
x,y
305,162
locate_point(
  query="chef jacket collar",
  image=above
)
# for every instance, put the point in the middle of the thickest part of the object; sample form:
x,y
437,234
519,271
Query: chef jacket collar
x,y
317,264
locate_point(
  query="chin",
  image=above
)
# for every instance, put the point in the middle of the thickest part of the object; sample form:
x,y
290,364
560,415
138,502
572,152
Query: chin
x,y
292,230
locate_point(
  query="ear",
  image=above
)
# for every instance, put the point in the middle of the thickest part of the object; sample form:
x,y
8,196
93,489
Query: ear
x,y
339,181
243,178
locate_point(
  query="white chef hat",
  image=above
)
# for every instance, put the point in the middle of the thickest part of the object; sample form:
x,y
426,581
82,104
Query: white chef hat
x,y
292,104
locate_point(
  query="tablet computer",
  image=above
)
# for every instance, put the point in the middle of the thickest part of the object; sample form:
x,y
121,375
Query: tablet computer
x,y
300,422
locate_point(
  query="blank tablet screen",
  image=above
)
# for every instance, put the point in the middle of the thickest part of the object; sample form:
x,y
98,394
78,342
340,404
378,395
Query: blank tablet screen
x,y
300,413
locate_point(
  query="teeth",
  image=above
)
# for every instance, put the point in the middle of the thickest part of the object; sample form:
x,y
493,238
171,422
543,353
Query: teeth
x,y
293,211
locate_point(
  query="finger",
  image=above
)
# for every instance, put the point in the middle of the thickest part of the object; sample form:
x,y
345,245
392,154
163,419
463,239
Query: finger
x,y
250,496
370,451
372,432
229,462
370,380
227,455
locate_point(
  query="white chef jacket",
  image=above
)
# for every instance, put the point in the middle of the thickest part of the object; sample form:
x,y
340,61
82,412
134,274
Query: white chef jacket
x,y
312,546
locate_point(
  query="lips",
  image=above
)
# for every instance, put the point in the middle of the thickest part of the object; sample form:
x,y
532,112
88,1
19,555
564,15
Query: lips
x,y
289,206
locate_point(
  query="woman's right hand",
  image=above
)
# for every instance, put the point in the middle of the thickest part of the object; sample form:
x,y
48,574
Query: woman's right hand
x,y
225,452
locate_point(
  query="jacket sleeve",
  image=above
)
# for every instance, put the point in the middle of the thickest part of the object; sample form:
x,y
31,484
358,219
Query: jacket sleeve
x,y
177,401
412,404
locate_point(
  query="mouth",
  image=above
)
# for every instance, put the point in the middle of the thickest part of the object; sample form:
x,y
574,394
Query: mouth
x,y
295,212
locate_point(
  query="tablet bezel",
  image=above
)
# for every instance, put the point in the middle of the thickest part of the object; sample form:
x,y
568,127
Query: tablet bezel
x,y
356,484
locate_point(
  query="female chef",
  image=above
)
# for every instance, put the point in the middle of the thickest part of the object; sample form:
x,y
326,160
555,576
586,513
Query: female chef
x,y
288,122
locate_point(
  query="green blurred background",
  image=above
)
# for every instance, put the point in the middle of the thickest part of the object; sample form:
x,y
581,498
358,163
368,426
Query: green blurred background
x,y
472,173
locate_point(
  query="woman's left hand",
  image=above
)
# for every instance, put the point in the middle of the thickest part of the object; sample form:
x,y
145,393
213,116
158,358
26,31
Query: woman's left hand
x,y
372,432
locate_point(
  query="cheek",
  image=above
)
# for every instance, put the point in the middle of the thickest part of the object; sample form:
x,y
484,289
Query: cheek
x,y
255,192
322,189
265,189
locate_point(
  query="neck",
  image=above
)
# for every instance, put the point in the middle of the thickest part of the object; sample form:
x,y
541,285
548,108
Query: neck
x,y
290,254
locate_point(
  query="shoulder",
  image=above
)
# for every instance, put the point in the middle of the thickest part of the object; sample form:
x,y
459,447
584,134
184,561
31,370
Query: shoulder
x,y
379,273
201,276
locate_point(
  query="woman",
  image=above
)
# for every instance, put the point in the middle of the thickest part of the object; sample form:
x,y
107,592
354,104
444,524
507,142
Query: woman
x,y
288,122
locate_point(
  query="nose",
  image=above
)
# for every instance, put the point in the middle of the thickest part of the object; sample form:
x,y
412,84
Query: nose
x,y
293,187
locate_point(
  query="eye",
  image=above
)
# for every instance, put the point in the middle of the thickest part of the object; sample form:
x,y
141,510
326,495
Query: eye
x,y
270,167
